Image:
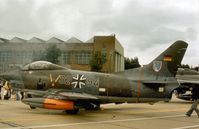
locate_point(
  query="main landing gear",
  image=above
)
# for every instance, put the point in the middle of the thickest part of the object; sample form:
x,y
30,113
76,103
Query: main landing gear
x,y
31,107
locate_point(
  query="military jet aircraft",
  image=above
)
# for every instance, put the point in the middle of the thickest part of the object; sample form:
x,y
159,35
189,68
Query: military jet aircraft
x,y
187,78
52,86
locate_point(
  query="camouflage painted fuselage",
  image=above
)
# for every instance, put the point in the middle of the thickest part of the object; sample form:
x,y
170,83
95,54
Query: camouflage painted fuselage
x,y
120,87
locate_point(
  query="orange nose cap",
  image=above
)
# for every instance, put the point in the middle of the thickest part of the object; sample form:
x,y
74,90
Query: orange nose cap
x,y
58,104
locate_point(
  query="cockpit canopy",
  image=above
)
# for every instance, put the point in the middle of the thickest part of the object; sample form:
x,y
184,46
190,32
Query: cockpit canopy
x,y
42,65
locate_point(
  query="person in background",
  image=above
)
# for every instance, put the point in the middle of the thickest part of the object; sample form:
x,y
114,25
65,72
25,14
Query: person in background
x,y
4,90
1,84
22,95
40,85
18,95
194,98
1,89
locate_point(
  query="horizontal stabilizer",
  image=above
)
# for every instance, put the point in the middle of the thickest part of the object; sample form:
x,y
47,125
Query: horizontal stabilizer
x,y
188,81
157,82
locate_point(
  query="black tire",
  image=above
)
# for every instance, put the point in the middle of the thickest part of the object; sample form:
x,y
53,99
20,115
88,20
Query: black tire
x,y
72,112
31,107
92,108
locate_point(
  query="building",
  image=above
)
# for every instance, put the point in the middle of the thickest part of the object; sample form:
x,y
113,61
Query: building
x,y
76,54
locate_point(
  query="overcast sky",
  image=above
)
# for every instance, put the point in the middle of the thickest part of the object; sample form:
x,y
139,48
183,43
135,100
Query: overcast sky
x,y
144,27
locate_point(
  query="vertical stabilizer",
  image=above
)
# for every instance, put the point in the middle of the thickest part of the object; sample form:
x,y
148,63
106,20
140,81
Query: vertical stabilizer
x,y
169,60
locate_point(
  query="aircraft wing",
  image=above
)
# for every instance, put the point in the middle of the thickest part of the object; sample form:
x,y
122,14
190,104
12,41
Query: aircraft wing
x,y
76,96
58,94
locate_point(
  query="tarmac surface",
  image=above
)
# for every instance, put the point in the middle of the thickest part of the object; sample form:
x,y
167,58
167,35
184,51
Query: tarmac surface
x,y
162,115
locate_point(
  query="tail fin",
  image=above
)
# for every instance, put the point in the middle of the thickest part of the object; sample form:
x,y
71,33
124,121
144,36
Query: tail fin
x,y
167,62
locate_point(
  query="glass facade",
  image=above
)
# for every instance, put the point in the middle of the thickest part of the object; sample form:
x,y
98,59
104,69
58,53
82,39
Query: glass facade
x,y
103,55
83,57
65,57
5,56
1,67
23,57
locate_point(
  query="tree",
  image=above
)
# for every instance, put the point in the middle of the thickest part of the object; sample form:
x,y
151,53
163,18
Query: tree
x,y
52,53
196,68
131,63
184,66
96,62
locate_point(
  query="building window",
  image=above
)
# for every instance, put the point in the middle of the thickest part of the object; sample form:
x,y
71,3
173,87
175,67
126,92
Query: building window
x,y
5,56
1,68
24,57
65,58
27,57
103,55
37,55
83,57
19,57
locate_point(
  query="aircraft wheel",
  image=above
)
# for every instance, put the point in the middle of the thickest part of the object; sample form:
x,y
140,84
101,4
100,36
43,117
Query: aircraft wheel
x,y
75,111
32,107
96,108
93,108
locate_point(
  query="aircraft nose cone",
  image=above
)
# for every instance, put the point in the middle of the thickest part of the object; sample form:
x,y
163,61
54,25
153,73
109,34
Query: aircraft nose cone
x,y
12,75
